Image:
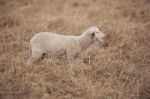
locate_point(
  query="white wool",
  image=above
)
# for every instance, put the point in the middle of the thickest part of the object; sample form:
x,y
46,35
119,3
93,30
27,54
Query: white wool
x,y
54,44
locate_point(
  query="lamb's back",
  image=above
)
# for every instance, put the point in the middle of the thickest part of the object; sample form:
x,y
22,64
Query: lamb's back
x,y
45,39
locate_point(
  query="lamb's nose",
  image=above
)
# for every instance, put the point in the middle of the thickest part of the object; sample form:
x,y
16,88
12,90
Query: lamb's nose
x,y
103,35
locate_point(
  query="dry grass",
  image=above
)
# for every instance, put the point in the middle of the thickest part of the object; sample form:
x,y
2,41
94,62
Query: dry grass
x,y
119,71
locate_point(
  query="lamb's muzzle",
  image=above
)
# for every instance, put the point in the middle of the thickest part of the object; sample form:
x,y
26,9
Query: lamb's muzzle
x,y
100,36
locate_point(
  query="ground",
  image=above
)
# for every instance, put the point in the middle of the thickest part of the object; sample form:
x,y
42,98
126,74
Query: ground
x,y
118,70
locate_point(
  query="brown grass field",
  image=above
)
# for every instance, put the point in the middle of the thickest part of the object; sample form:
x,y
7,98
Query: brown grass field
x,y
120,70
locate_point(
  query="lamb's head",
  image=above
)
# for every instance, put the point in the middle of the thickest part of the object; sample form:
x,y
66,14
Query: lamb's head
x,y
95,34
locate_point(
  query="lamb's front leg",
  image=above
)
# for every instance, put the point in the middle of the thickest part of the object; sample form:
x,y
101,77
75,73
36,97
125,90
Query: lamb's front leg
x,y
73,53
70,55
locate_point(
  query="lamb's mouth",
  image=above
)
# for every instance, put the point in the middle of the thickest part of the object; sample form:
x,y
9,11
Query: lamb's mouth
x,y
101,40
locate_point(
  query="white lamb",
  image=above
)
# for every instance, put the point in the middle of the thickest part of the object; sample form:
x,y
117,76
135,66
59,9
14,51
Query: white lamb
x,y
52,44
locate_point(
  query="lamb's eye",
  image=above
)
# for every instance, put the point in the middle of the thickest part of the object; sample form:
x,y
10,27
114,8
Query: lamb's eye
x,y
93,33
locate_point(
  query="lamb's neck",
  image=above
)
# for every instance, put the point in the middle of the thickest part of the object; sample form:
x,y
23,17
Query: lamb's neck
x,y
84,41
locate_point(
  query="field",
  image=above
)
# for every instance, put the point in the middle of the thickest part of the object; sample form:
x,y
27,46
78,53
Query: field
x,y
119,69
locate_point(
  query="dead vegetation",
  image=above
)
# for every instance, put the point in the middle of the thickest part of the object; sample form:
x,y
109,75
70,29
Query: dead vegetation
x,y
117,70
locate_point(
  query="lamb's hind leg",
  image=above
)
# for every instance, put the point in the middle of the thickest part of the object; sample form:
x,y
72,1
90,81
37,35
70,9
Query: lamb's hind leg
x,y
35,56
70,55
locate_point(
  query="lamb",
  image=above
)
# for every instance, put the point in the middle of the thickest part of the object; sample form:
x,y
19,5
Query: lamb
x,y
52,44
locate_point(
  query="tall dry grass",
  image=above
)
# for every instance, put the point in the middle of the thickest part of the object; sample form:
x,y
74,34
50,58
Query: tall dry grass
x,y
119,70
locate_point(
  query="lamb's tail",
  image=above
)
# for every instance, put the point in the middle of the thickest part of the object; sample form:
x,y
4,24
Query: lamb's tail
x,y
30,51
